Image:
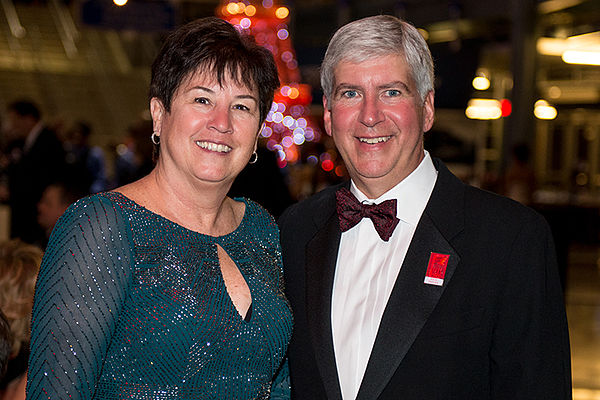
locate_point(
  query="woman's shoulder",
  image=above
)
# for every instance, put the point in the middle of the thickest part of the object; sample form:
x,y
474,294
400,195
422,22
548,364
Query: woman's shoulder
x,y
89,204
94,221
259,223
101,209
257,214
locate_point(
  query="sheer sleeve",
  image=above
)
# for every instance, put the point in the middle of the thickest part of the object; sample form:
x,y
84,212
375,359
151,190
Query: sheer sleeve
x,y
82,284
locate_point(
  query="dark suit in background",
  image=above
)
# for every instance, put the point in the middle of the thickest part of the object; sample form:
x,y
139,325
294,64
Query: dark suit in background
x,y
38,166
264,183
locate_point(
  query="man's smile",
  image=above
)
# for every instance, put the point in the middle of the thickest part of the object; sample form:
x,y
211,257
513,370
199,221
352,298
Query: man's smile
x,y
374,140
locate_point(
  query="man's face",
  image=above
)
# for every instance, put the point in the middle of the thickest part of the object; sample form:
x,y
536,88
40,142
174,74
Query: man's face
x,y
50,207
18,126
377,120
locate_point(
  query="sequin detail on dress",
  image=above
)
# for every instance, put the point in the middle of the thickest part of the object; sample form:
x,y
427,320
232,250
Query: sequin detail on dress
x,y
130,305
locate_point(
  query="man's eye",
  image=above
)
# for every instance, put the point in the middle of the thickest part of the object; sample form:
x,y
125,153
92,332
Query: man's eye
x,y
393,92
349,93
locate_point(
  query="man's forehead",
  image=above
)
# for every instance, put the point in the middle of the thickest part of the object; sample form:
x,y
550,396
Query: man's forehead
x,y
387,68
366,57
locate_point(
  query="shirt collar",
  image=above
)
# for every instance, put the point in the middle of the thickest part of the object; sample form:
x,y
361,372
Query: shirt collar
x,y
32,136
412,192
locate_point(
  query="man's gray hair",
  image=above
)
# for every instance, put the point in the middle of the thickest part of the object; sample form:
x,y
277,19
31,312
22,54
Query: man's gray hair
x,y
378,36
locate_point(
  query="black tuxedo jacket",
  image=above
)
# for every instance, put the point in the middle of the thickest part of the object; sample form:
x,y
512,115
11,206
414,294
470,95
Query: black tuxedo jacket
x,y
39,166
495,329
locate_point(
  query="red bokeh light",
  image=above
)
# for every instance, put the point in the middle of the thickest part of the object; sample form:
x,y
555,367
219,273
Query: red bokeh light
x,y
327,165
506,107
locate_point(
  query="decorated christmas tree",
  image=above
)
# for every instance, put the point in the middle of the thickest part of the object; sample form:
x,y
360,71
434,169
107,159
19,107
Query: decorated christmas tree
x,y
288,125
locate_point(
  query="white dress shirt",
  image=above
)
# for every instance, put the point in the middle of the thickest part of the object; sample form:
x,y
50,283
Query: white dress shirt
x,y
366,272
32,136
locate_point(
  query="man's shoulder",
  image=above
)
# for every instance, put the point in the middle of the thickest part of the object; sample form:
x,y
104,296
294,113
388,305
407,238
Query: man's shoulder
x,y
475,196
493,208
48,134
47,142
480,205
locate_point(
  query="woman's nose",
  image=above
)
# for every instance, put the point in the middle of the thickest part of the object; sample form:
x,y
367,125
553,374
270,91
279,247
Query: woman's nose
x,y
221,120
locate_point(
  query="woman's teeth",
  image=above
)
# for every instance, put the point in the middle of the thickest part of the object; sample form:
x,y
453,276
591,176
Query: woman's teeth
x,y
219,148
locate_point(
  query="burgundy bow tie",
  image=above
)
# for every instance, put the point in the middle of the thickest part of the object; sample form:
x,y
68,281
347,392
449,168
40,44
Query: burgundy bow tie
x,y
351,211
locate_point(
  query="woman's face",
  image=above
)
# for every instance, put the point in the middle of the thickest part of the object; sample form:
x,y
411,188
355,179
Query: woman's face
x,y
210,132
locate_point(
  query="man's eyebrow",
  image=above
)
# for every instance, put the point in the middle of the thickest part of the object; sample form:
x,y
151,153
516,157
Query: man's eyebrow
x,y
346,86
394,84
387,85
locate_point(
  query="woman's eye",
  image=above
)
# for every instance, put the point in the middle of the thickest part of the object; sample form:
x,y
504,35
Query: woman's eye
x,y
201,100
241,107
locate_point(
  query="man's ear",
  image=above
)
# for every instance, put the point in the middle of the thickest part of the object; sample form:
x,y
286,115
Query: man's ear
x,y
428,111
326,116
157,111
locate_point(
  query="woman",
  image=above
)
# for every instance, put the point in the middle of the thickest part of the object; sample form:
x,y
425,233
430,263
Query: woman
x,y
5,343
19,267
165,288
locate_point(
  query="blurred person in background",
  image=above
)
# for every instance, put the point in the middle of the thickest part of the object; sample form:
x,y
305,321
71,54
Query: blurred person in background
x,y
10,151
19,266
86,165
135,157
519,179
263,182
37,159
167,288
57,197
5,343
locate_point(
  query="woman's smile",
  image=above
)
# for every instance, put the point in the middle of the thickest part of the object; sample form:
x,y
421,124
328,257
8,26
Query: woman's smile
x,y
214,147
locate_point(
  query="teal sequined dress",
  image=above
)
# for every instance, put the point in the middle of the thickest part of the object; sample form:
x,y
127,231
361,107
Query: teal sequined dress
x,y
130,305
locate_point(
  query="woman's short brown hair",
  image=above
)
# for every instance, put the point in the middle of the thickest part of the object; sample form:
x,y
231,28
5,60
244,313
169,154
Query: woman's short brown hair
x,y
211,45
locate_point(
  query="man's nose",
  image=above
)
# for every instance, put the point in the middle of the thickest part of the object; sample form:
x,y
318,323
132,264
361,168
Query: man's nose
x,y
370,114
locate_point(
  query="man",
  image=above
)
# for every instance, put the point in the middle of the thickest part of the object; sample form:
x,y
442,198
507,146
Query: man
x,y
443,291
37,162
86,165
55,200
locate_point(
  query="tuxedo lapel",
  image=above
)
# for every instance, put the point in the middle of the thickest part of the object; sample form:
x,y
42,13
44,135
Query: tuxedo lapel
x,y
321,257
412,301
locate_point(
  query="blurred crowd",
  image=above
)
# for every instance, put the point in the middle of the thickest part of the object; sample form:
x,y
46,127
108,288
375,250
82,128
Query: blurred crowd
x,y
43,170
